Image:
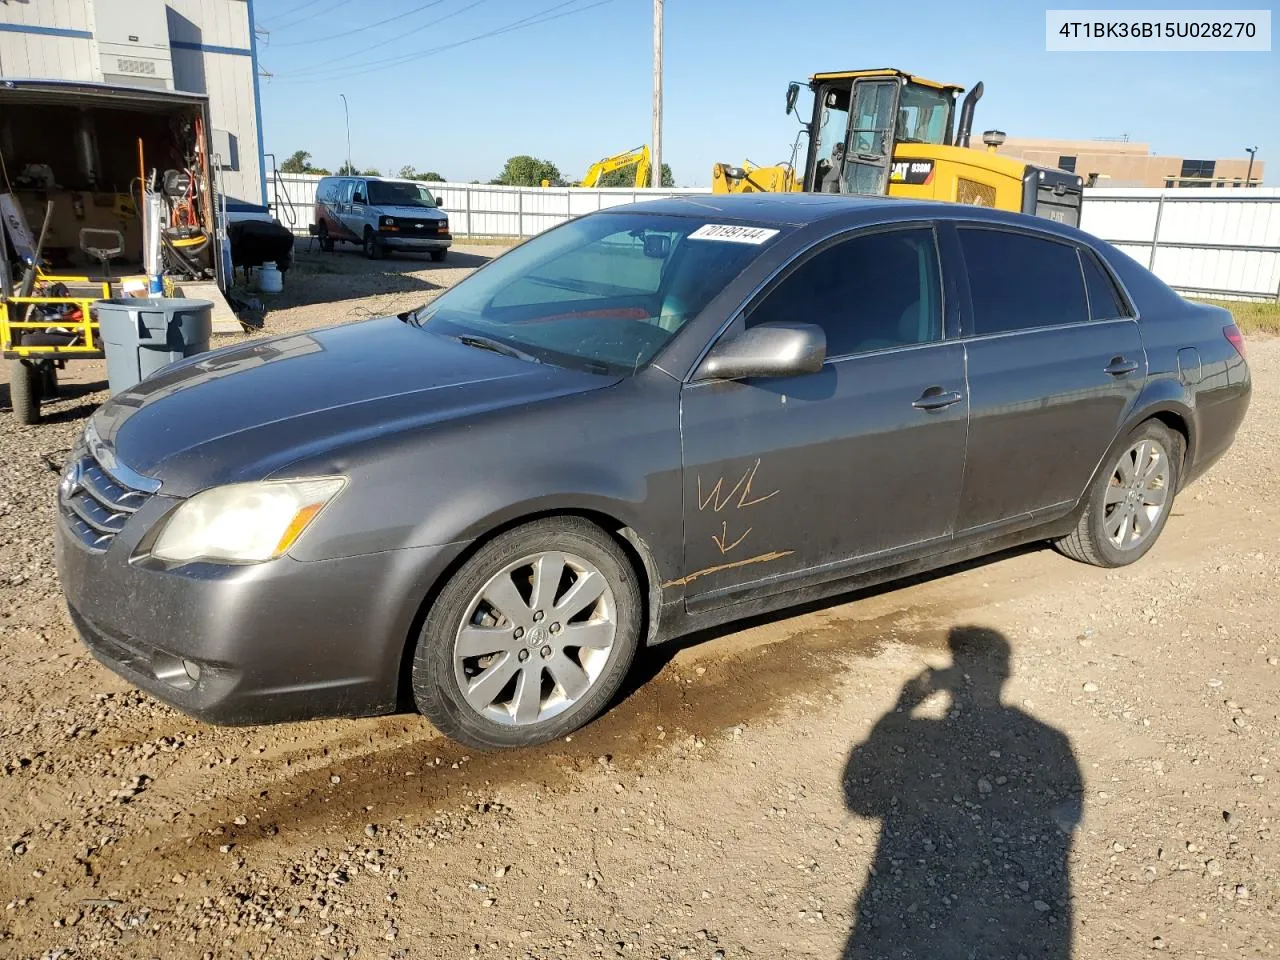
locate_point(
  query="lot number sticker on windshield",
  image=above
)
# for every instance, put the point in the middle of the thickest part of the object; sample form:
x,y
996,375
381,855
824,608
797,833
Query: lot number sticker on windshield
x,y
732,234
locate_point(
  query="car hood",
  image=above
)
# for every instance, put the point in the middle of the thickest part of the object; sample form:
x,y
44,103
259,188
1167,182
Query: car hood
x,y
422,213
246,411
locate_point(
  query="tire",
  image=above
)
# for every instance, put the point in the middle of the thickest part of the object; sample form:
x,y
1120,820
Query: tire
x,y
1119,488
372,245
438,255
504,567
326,241
24,391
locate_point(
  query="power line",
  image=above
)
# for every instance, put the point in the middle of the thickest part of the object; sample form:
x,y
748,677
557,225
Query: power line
x,y
367,26
311,16
328,64
300,7
532,20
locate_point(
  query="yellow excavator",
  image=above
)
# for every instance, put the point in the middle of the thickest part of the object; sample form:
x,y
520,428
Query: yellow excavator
x,y
639,158
878,132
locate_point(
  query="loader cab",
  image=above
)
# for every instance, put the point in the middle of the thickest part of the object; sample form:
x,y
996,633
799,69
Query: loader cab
x,y
860,116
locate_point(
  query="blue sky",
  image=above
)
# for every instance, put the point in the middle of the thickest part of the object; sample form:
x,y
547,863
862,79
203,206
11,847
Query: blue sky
x,y
576,86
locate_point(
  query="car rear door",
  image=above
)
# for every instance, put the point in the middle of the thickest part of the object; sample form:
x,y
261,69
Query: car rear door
x,y
800,479
1051,375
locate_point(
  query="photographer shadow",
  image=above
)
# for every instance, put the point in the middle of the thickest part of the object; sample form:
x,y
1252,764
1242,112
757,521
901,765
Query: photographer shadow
x,y
977,812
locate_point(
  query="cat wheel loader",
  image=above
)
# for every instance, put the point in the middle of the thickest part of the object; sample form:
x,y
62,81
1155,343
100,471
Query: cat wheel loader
x,y
878,132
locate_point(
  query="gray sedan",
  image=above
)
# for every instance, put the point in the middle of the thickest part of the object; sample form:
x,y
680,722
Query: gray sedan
x,y
646,421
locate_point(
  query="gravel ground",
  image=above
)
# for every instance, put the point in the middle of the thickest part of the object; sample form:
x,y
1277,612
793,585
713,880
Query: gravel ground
x,y
1041,757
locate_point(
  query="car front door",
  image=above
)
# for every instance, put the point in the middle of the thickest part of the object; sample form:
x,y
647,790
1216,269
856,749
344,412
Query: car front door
x,y
354,217
801,479
1054,359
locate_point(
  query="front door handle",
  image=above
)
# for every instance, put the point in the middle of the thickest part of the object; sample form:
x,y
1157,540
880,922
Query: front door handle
x,y
935,398
1119,366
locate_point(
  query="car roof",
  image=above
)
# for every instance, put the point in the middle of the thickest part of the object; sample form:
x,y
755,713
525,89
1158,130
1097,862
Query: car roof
x,y
803,209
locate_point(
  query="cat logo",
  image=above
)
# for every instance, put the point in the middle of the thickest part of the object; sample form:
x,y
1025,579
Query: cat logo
x,y
915,172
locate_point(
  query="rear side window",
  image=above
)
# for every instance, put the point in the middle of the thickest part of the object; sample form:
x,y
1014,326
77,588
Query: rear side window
x,y
1104,299
1021,282
870,292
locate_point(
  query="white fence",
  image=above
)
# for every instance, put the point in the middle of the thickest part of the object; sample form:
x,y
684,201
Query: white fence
x,y
1208,242
475,209
1201,241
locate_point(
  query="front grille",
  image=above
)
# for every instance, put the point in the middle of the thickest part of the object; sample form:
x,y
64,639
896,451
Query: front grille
x,y
95,505
429,228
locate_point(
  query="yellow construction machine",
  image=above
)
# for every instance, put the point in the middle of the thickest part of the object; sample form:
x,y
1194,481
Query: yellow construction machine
x,y
638,158
878,132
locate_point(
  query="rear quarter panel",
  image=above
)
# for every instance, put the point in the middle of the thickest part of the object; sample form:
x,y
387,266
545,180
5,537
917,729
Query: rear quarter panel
x,y
1211,396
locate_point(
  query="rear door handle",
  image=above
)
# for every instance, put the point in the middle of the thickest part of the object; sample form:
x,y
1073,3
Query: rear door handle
x,y
1119,366
935,398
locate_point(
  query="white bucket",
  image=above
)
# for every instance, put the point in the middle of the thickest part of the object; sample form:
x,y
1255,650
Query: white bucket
x,y
270,280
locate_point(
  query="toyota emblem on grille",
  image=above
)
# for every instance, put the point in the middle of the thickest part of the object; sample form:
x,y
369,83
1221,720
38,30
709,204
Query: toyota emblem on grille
x,y
70,480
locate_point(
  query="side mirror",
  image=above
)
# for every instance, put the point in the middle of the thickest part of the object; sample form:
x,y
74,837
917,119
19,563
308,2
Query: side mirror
x,y
769,350
793,94
657,245
357,198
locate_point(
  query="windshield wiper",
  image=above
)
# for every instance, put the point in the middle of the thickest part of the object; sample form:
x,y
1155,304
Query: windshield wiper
x,y
497,346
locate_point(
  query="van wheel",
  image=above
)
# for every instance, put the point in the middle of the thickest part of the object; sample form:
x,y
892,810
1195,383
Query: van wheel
x,y
24,391
372,245
532,636
438,255
326,241
1130,501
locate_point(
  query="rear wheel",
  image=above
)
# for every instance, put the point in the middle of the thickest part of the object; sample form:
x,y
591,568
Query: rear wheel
x,y
372,245
438,255
531,638
24,391
326,241
1130,500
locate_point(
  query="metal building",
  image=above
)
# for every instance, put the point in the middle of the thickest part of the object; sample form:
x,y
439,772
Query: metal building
x,y
197,46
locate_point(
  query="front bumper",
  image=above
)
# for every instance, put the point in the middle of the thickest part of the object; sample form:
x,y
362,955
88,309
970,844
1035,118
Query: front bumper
x,y
255,643
393,240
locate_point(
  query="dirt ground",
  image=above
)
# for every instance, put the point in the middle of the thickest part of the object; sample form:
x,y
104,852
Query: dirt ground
x,y
1039,757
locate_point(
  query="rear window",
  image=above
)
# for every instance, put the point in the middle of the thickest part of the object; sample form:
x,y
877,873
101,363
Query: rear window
x,y
1021,282
1105,302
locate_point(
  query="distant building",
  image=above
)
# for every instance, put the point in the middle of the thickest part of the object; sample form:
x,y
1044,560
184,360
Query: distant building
x,y
1119,163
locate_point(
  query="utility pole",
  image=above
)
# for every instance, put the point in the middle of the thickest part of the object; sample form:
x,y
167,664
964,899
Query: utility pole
x,y
1248,177
347,113
655,175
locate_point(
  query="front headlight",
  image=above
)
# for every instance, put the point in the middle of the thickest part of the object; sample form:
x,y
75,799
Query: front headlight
x,y
244,522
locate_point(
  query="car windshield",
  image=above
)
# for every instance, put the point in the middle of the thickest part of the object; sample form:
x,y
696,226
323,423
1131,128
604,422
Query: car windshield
x,y
603,293
384,194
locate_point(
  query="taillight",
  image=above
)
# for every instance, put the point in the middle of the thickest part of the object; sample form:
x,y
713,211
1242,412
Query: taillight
x,y
1234,337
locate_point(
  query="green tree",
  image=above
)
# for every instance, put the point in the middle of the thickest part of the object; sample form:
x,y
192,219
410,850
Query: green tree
x,y
410,172
626,177
527,171
371,172
298,162
347,169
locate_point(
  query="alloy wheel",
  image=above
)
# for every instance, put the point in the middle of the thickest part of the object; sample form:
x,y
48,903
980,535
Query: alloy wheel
x,y
535,638
1137,495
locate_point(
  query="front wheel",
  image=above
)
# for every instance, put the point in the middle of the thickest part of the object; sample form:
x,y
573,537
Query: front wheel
x,y
372,245
531,638
1130,501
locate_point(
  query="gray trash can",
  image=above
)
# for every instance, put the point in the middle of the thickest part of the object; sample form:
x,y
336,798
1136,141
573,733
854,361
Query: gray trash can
x,y
141,336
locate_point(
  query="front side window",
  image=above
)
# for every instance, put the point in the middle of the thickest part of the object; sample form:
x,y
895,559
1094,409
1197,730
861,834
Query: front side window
x,y
871,292
603,293
1019,282
385,194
